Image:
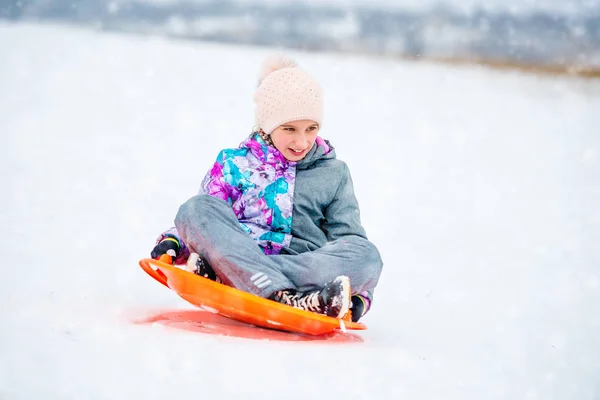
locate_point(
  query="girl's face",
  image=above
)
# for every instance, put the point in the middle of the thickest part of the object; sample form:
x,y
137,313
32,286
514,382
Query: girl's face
x,y
295,139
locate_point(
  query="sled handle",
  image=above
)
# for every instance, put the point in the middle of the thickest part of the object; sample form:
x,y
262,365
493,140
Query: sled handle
x,y
167,258
153,271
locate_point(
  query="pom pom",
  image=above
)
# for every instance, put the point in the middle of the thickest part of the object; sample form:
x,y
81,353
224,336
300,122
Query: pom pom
x,y
274,63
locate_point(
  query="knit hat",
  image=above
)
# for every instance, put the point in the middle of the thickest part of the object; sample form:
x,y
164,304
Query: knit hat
x,y
286,93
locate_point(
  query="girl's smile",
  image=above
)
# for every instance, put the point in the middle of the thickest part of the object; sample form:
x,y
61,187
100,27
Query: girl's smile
x,y
295,138
297,152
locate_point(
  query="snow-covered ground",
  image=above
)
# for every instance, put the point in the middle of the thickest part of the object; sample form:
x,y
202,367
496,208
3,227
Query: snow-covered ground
x,y
481,189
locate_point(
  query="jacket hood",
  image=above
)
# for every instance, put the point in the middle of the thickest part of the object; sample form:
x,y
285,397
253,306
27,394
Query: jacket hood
x,y
321,150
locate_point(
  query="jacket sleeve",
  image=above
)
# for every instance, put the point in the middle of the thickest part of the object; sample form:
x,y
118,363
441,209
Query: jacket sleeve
x,y
216,182
342,215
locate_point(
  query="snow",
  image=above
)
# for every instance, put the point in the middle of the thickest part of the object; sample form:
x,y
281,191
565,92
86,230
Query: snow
x,y
481,189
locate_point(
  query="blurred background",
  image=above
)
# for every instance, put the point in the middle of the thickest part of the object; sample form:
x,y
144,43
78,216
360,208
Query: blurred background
x,y
546,35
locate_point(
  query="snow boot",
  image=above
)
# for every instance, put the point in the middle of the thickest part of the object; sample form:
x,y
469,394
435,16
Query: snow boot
x,y
333,300
199,266
359,305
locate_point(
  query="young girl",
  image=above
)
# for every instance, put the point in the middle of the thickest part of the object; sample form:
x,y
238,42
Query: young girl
x,y
277,217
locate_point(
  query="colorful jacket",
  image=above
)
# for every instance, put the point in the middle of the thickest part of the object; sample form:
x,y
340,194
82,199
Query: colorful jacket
x,y
286,207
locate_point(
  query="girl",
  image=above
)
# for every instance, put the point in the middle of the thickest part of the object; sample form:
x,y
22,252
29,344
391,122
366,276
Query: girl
x,y
277,217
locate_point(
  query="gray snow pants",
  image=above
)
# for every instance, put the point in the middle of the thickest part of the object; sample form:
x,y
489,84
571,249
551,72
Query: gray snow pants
x,y
210,228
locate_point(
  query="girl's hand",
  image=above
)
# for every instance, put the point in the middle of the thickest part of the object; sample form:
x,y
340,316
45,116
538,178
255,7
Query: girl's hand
x,y
168,245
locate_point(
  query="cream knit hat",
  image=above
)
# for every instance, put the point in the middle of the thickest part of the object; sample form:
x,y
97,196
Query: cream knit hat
x,y
286,93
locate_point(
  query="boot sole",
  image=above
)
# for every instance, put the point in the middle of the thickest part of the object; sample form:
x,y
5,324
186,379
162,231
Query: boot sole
x,y
345,296
190,265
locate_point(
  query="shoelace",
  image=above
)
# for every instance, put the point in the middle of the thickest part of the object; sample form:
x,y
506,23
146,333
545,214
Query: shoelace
x,y
310,302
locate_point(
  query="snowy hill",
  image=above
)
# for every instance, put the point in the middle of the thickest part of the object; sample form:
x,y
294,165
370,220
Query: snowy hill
x,y
481,189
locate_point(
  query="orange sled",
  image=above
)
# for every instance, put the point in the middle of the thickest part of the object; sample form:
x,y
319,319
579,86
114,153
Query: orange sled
x,y
240,305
